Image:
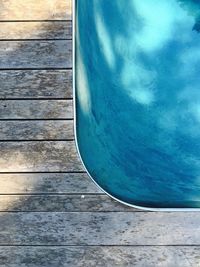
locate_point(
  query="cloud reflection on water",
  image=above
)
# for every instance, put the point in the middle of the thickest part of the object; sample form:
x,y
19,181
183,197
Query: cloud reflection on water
x,y
140,137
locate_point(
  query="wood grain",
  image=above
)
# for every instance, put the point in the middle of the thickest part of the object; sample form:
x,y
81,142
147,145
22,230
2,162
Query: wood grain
x,y
36,130
36,30
35,54
35,84
35,10
36,156
107,256
60,203
47,183
36,109
100,228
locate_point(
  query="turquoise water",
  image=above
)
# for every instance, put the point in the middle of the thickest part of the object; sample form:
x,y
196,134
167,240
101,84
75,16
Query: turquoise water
x,y
137,90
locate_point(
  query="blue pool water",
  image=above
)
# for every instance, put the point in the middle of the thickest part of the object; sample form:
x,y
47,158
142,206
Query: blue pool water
x,y
137,86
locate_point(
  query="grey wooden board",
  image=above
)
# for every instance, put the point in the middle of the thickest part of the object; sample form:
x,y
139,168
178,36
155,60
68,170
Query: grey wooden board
x,y
36,109
81,256
47,183
36,54
35,84
36,30
35,10
99,228
60,203
36,156
36,130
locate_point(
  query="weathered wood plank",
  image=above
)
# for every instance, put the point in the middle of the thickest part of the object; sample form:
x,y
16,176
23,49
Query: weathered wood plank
x,y
47,183
36,30
142,256
36,130
36,54
100,228
36,109
60,203
39,156
35,10
35,84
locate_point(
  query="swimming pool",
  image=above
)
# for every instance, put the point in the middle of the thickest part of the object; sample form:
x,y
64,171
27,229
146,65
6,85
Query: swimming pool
x,y
137,99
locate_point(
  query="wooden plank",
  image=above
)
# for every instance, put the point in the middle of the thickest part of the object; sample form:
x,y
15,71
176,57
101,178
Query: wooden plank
x,y
35,10
47,183
35,84
35,54
36,30
100,228
60,203
36,109
39,156
36,130
108,256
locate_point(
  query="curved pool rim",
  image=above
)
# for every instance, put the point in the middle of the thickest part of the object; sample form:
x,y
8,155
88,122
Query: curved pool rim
x,y
154,209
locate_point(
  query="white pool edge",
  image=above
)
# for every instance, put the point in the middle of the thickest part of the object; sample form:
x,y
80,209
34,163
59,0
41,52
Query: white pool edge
x,y
75,133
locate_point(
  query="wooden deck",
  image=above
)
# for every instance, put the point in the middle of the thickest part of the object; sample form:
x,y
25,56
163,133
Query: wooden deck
x,y
52,215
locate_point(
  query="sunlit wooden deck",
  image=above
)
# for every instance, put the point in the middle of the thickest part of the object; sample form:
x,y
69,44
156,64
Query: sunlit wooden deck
x,y
51,213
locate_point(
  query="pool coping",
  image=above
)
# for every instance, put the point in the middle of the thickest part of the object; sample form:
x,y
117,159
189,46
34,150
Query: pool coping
x,y
76,141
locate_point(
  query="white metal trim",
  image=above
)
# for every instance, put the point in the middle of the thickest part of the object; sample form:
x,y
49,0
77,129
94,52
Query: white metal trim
x,y
75,133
